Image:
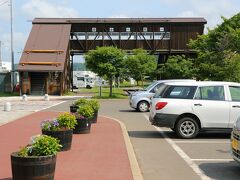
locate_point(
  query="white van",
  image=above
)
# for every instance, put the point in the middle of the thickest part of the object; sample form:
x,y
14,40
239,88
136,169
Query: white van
x,y
83,79
188,107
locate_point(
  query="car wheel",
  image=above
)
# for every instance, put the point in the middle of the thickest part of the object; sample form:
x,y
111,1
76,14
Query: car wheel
x,y
187,128
143,106
88,87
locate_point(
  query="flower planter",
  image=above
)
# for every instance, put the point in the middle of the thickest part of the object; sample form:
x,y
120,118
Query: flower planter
x,y
73,108
95,116
83,126
64,136
34,167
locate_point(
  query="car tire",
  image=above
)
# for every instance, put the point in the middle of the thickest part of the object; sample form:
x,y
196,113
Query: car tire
x,y
187,128
143,106
88,87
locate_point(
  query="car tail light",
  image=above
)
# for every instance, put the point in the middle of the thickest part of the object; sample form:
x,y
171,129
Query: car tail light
x,y
160,105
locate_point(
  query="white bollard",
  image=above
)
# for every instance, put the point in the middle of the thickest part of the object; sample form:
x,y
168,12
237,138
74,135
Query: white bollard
x,y
7,106
24,97
46,97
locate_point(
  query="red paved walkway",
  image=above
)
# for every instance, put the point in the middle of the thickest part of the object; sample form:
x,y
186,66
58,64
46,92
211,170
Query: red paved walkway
x,y
100,155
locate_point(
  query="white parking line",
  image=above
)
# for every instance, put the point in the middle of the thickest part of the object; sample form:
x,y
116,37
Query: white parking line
x,y
182,154
204,142
50,106
222,160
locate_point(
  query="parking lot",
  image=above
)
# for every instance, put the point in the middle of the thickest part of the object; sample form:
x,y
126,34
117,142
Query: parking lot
x,y
208,155
162,155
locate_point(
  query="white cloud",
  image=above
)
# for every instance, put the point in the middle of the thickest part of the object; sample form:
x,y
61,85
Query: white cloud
x,y
210,10
43,8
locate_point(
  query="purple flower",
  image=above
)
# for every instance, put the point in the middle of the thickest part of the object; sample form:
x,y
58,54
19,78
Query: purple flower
x,y
82,117
43,123
55,123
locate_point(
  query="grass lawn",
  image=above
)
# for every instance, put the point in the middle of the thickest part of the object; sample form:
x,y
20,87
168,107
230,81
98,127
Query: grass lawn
x,y
9,94
118,93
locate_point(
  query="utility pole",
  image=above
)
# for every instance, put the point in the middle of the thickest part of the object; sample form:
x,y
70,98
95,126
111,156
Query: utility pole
x,y
12,53
0,54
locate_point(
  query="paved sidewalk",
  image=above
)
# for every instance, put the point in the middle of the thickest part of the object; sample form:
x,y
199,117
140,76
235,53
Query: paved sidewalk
x,y
100,155
20,108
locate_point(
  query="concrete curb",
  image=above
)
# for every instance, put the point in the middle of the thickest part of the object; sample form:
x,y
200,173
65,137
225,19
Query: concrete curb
x,y
136,172
41,98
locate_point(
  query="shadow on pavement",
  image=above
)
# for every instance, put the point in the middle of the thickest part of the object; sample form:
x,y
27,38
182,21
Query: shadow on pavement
x,y
214,135
127,110
172,135
144,134
227,170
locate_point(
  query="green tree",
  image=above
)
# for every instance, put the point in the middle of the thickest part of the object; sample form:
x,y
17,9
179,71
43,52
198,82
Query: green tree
x,y
218,52
140,64
177,67
106,62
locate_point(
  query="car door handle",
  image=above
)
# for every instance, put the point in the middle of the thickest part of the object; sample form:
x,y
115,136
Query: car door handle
x,y
198,104
236,106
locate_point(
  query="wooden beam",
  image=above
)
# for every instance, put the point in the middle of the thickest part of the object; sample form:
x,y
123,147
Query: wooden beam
x,y
40,63
43,51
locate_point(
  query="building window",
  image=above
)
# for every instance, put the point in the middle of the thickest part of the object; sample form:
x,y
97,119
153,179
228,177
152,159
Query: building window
x,y
145,29
94,29
128,29
111,29
161,29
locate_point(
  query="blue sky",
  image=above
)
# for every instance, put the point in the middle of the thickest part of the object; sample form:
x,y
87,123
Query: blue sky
x,y
26,10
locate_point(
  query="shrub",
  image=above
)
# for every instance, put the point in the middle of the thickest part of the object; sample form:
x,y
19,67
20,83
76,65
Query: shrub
x,y
41,145
67,120
94,104
80,102
85,111
63,121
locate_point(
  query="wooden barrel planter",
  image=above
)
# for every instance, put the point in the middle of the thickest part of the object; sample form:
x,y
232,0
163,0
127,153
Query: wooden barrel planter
x,y
73,108
36,167
95,116
83,126
65,138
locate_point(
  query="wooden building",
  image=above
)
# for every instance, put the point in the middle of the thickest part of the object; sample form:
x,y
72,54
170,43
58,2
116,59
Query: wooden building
x,y
45,65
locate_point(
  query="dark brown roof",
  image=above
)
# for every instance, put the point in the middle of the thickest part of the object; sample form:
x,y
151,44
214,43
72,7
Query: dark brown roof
x,y
46,48
117,20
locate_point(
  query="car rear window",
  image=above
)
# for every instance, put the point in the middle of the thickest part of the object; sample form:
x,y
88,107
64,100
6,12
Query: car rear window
x,y
179,92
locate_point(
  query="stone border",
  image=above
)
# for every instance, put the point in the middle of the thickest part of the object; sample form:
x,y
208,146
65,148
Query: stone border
x,y
136,172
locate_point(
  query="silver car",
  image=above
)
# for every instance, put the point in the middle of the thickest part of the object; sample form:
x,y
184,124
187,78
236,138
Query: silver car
x,y
235,141
140,100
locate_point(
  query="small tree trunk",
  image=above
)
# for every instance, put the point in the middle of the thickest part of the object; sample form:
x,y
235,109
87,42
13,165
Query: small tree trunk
x,y
111,84
118,82
142,81
137,83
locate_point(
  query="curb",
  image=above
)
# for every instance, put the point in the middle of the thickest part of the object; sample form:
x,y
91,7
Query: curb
x,y
136,172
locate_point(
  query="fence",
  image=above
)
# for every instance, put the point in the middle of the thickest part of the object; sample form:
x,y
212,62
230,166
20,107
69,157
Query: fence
x,y
5,82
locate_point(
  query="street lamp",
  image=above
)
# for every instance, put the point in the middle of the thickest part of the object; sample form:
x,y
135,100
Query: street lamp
x,y
12,54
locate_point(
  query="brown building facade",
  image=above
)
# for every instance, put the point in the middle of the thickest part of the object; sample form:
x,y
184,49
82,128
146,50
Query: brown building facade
x,y
45,65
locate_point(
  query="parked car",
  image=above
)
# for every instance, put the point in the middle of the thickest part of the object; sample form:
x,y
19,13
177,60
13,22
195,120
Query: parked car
x,y
188,107
140,100
235,141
